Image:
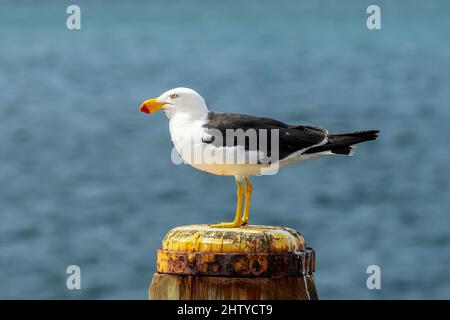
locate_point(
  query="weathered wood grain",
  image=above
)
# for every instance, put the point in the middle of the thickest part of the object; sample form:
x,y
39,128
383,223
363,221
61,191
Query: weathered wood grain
x,y
181,287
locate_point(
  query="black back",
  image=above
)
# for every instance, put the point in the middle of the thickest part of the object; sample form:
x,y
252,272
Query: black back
x,y
292,138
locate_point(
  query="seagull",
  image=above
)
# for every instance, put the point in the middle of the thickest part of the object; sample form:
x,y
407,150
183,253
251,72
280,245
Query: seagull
x,y
238,145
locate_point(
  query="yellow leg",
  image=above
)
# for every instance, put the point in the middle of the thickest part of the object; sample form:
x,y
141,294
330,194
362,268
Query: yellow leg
x,y
248,196
237,219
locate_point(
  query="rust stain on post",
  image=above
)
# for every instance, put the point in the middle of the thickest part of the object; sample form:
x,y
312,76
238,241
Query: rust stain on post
x,y
236,264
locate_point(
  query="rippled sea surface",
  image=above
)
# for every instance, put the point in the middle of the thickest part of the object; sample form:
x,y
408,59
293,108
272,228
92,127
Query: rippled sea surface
x,y
85,179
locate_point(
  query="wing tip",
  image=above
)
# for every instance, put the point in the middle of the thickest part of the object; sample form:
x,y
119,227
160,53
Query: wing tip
x,y
366,134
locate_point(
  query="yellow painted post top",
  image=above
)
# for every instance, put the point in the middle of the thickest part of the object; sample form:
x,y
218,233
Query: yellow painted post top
x,y
248,239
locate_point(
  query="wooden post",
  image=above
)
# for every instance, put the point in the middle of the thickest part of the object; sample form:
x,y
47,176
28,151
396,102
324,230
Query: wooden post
x,y
247,263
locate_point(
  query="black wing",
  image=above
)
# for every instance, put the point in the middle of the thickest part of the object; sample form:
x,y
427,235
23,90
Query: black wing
x,y
292,138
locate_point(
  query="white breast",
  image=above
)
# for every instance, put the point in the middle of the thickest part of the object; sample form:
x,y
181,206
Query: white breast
x,y
186,136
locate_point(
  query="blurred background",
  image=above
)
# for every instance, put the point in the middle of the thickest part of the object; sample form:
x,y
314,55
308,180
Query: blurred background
x,y
86,179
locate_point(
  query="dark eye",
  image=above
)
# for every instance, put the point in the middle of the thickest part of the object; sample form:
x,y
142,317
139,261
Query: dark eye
x,y
173,96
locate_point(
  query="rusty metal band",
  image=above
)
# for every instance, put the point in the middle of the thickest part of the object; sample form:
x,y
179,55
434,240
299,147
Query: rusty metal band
x,y
236,264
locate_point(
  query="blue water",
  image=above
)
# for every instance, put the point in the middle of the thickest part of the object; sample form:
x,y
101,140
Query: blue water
x,y
85,179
